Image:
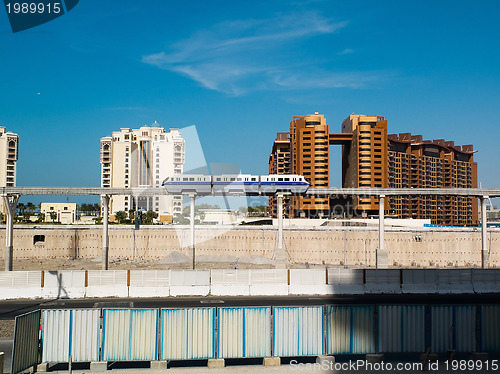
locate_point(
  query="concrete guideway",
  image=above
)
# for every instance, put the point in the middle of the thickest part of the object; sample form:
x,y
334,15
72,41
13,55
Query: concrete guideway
x,y
11,195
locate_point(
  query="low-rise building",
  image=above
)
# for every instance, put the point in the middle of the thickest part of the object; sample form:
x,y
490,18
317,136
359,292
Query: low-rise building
x,y
66,212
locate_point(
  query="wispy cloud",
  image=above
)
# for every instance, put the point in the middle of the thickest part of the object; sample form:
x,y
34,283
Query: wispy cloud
x,y
346,51
236,57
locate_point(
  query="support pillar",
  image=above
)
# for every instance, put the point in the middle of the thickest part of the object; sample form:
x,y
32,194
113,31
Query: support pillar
x,y
105,232
10,204
381,252
192,199
280,257
280,221
484,233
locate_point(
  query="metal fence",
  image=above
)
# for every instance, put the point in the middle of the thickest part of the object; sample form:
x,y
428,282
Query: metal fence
x,y
202,333
26,341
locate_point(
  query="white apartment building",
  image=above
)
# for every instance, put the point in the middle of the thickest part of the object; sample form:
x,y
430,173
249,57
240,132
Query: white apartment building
x,y
142,158
8,158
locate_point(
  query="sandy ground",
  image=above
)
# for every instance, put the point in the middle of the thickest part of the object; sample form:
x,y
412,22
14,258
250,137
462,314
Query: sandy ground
x,y
6,329
174,260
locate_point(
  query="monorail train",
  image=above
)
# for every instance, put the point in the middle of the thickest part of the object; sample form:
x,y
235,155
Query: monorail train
x,y
235,184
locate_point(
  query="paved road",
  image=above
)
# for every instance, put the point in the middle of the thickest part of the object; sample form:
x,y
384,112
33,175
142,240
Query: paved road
x,y
6,347
10,309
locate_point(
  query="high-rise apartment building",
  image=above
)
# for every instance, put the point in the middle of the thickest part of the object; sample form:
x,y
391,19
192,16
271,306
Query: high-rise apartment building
x,y
9,149
142,158
306,153
279,163
373,159
417,163
364,158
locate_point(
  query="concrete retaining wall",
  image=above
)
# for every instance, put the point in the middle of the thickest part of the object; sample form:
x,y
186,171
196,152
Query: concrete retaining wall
x,y
350,247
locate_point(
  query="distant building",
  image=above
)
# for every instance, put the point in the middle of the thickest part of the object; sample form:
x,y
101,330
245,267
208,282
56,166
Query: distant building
x,y
218,216
279,163
371,158
66,212
142,158
9,149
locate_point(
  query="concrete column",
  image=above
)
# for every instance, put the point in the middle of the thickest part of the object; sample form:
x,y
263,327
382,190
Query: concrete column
x,y
105,232
280,253
484,233
10,204
381,252
192,199
280,221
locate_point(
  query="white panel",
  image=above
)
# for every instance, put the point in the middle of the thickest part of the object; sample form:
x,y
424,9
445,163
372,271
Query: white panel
x,y
382,281
486,280
455,281
441,328
190,278
269,276
244,332
20,284
64,284
130,334
349,329
465,328
346,281
419,281
298,331
401,328
187,333
149,283
85,335
56,335
490,328
107,283
268,282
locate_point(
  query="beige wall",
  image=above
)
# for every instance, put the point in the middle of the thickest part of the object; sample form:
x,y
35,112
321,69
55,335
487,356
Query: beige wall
x,y
335,247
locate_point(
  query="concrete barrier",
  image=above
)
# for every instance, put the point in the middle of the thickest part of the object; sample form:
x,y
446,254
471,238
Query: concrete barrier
x,y
107,283
308,282
149,283
345,281
189,282
64,284
420,281
455,281
20,285
485,280
230,282
268,282
382,281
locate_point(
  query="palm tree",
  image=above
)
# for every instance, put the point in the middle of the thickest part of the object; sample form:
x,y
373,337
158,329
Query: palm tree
x,y
31,207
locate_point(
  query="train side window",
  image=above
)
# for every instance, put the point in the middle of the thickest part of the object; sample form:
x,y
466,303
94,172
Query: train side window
x,y
254,179
232,179
239,179
185,179
191,179
287,179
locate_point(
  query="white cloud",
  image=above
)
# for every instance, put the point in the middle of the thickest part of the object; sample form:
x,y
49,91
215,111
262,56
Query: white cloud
x,y
236,57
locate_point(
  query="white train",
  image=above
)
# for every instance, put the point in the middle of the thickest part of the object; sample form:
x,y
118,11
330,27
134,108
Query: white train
x,y
235,184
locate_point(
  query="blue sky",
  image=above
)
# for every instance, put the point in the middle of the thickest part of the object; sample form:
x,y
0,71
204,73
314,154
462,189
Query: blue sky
x,y
240,70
